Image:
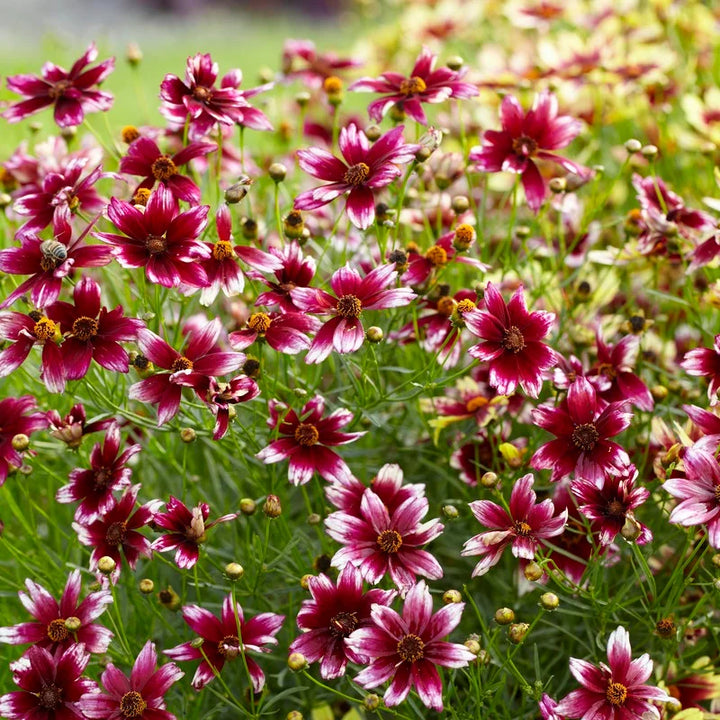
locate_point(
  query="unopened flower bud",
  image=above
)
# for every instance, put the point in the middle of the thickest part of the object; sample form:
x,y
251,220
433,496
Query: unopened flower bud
x,y
5,199
633,145
649,151
558,185
374,335
373,132
133,54
146,586
169,599
451,597
464,237
489,480
237,191
397,114
522,232
249,228
68,133
106,565
302,98
296,661
314,519
272,507
304,580
248,506
234,571
300,392
293,225
277,171
265,75
517,632
631,530
188,435
549,601
715,559
473,645
35,126
455,62
197,642
73,624
371,702
533,571
20,442
460,204
450,512
333,87
423,154
504,616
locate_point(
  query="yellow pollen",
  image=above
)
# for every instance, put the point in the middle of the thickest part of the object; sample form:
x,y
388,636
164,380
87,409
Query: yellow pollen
x,y
513,340
436,256
129,134
464,236
45,329
163,168
411,648
465,306
56,630
85,328
222,250
132,705
332,85
259,323
181,363
476,403
446,305
357,174
74,203
306,434
412,86
522,528
349,306
390,541
202,94
141,196
616,694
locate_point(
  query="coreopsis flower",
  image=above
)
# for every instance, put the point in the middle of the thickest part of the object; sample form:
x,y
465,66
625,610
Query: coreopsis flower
x,y
406,649
48,262
285,332
297,270
582,425
699,490
186,530
50,630
144,158
108,472
199,359
363,170
612,374
353,294
74,426
512,344
526,523
161,239
547,708
58,198
378,542
705,362
219,396
225,639
616,690
69,91
335,611
51,685
92,332
203,105
117,529
25,331
19,418
300,59
140,696
424,85
306,438
611,504
525,137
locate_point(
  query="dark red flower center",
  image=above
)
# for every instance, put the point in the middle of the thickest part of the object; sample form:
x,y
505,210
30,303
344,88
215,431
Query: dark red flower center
x,y
58,89
390,541
181,363
412,86
411,648
616,694
356,174
524,146
607,370
229,647
102,476
436,256
343,624
259,323
115,533
132,704
156,244
56,630
615,508
513,340
44,329
50,697
521,528
202,94
349,306
85,328
585,436
306,434
163,168
222,250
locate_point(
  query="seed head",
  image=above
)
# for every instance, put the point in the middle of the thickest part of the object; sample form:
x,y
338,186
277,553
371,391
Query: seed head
x,y
169,598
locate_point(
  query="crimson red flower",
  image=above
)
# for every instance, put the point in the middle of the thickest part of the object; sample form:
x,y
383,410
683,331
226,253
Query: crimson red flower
x,y
617,690
51,685
705,362
407,648
69,91
300,59
222,640
582,425
525,136
512,342
424,85
160,239
522,527
140,696
364,169
304,439
284,332
144,158
50,629
335,611
93,332
108,472
296,270
74,426
17,420
186,530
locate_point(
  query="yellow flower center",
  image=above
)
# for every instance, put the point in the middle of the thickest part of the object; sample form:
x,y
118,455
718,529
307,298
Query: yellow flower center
x,y
616,694
44,329
259,323
390,541
132,705
412,86
436,256
357,174
181,363
474,404
85,328
163,168
56,630
222,250
306,434
349,306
